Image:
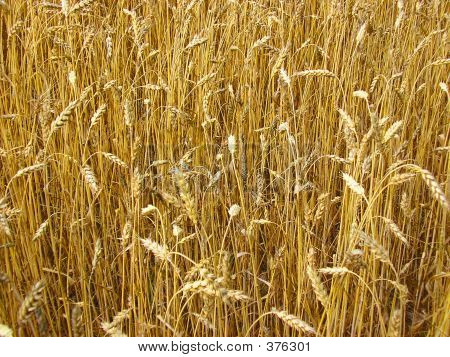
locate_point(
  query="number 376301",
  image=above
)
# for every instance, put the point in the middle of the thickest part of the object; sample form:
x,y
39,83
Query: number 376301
x,y
287,346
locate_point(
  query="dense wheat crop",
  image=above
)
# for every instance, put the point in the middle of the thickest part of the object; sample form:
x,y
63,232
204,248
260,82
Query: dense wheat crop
x,y
224,168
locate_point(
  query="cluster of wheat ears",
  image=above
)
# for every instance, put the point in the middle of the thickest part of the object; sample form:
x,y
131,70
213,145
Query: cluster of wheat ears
x,y
224,168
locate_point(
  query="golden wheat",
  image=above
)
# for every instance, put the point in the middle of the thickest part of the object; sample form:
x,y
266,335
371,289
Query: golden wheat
x,y
178,168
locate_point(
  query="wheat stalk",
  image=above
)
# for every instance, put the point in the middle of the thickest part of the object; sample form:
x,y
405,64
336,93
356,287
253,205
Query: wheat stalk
x,y
29,170
31,302
294,321
314,73
161,252
361,34
62,119
82,5
280,60
90,178
205,322
316,282
335,271
398,179
41,230
376,248
395,324
76,321
5,331
392,131
114,159
361,94
186,197
396,230
195,42
97,115
353,185
4,225
97,252
113,328
433,185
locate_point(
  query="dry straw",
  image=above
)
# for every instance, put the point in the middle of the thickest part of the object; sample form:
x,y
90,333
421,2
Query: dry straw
x,y
182,158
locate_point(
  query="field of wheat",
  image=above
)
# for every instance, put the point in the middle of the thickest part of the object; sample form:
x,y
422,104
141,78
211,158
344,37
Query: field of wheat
x,y
224,168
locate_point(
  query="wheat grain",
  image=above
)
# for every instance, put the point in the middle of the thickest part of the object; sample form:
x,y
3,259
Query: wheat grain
x,y
260,43
90,178
82,5
347,120
294,321
31,302
398,179
361,34
4,225
148,209
113,328
396,230
29,170
97,252
41,230
392,131
195,42
5,331
204,321
185,195
161,252
339,159
3,278
76,321
335,270
280,60
231,144
361,94
285,77
376,248
433,185
62,119
314,73
316,282
97,115
395,324
114,159
65,7
353,185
